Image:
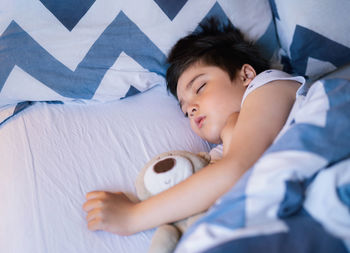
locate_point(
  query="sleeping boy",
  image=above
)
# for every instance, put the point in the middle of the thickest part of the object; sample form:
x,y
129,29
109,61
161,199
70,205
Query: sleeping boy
x,y
230,97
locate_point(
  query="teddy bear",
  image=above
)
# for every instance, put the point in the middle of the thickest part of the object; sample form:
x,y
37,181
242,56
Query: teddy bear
x,y
160,173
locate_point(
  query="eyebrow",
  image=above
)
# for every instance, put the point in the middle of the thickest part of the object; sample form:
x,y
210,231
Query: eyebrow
x,y
189,85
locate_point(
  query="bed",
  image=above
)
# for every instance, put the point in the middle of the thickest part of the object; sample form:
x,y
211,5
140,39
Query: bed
x,y
84,105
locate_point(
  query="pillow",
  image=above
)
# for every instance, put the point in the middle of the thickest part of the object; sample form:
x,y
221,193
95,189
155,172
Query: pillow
x,y
314,35
98,50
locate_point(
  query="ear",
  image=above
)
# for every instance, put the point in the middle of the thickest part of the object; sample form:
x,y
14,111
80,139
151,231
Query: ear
x,y
247,74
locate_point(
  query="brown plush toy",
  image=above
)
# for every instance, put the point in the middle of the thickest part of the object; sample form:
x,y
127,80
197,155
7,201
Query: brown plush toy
x,y
159,174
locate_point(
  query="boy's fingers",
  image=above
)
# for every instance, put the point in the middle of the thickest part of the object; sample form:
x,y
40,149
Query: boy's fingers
x,y
91,204
94,224
96,213
95,194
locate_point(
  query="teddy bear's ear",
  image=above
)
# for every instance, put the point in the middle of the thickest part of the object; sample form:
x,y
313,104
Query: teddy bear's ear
x,y
205,156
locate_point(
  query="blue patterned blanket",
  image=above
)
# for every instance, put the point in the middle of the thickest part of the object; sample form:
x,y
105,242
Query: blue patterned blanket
x,y
296,198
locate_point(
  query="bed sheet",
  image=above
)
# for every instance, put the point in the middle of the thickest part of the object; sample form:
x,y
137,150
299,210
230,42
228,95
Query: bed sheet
x,y
51,155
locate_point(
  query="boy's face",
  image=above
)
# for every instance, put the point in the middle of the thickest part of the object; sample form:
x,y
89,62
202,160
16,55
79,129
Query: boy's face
x,y
208,97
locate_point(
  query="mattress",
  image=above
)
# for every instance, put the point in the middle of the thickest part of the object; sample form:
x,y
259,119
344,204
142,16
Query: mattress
x,y
53,154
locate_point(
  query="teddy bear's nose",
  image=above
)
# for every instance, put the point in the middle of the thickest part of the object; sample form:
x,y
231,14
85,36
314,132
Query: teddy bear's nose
x,y
164,165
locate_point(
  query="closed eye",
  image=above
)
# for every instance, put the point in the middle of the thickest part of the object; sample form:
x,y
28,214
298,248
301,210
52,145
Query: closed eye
x,y
199,89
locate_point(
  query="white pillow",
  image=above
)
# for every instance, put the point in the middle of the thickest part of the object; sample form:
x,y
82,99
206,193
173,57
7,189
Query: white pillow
x,y
314,35
102,50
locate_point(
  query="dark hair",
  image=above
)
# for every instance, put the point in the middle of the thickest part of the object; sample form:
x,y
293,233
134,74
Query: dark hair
x,y
213,44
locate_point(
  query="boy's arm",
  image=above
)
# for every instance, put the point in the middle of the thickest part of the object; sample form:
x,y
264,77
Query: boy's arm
x,y
115,213
263,115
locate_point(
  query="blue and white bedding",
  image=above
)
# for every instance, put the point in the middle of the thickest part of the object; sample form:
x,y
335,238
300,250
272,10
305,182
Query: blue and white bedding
x,y
104,50
72,54
313,35
296,198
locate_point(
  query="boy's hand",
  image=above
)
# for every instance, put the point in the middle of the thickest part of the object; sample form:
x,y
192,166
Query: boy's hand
x,y
112,212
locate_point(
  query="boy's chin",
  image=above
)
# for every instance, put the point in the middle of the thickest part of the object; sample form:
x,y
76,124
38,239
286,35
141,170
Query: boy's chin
x,y
213,140
209,137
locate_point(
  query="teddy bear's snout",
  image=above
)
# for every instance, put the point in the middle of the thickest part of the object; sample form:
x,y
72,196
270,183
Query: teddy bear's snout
x,y
164,165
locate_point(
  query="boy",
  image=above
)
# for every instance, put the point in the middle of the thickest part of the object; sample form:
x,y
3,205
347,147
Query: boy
x,y
219,81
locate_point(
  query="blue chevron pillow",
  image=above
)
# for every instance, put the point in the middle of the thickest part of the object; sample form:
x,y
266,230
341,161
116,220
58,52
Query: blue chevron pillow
x,y
314,35
97,50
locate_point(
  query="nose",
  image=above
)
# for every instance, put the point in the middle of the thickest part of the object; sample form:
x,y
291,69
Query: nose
x,y
192,109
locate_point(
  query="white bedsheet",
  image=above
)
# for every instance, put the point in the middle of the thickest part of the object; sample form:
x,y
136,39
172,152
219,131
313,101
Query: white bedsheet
x,y
51,155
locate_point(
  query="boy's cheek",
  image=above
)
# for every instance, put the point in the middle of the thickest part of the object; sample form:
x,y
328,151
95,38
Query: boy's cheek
x,y
195,128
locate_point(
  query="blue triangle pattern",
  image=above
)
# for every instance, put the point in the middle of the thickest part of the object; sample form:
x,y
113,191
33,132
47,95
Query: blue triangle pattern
x,y
83,82
218,12
132,91
266,42
171,8
68,12
307,43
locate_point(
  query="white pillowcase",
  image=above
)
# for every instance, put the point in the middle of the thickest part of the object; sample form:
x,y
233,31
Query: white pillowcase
x,y
314,35
102,50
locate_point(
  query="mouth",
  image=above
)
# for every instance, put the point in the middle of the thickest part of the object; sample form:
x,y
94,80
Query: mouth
x,y
199,121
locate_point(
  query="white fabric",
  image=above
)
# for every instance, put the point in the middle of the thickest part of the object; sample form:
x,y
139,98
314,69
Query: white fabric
x,y
51,155
269,76
216,153
99,50
313,35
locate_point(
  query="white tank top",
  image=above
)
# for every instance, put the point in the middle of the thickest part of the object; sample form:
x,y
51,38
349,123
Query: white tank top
x,y
269,76
260,80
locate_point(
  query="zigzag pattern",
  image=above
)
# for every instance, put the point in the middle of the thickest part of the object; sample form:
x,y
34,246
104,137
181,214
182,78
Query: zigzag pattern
x,y
315,43
338,112
171,8
26,53
84,81
69,17
306,173
42,57
322,48
97,18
